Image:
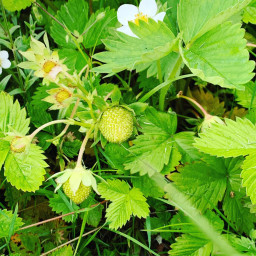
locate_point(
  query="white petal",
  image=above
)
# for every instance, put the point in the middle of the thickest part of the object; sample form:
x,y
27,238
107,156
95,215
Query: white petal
x,y
0,70
4,55
160,16
54,72
127,31
5,63
75,181
148,7
126,12
86,179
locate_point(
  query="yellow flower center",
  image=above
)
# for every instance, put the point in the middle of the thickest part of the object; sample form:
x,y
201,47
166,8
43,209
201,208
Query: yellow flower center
x,y
48,66
62,95
140,16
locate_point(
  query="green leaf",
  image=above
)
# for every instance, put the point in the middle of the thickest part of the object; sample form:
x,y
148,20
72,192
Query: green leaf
x,y
125,202
12,117
26,170
71,148
249,15
249,176
4,150
196,17
148,157
194,243
219,57
235,138
6,218
99,29
187,245
95,214
204,184
75,60
16,5
235,210
247,98
148,186
125,52
59,206
63,251
74,15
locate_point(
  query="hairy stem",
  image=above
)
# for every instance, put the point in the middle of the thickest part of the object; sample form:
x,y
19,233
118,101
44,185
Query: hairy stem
x,y
32,135
82,149
195,103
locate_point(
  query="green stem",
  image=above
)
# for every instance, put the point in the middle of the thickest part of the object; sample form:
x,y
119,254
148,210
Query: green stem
x,y
161,86
164,90
32,135
12,46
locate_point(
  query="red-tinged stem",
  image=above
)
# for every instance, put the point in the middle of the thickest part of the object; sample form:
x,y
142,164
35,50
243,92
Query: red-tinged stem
x,y
195,103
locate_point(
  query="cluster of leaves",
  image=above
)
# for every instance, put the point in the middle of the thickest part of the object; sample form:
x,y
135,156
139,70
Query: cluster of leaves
x,y
182,184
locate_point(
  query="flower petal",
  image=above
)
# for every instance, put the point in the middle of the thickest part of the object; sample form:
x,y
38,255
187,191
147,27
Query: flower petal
x,y
4,55
148,7
0,70
127,31
160,16
126,12
5,63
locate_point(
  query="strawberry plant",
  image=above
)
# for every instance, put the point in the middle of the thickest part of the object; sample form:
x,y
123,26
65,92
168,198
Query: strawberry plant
x,y
127,127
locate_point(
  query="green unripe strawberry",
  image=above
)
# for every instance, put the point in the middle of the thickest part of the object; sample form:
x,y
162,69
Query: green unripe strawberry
x,y
19,144
81,194
116,124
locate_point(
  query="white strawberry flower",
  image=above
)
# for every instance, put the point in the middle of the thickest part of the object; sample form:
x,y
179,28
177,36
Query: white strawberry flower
x,y
128,12
4,62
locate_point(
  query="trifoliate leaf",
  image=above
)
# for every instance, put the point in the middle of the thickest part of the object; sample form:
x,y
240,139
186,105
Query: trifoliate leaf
x,y
16,5
196,17
125,202
26,170
148,157
12,117
6,218
235,138
249,176
249,15
4,150
247,98
59,206
63,251
125,52
73,15
219,57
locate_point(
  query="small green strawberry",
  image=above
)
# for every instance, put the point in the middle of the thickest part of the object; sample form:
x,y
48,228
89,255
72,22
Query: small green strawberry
x,y
116,124
19,144
81,194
